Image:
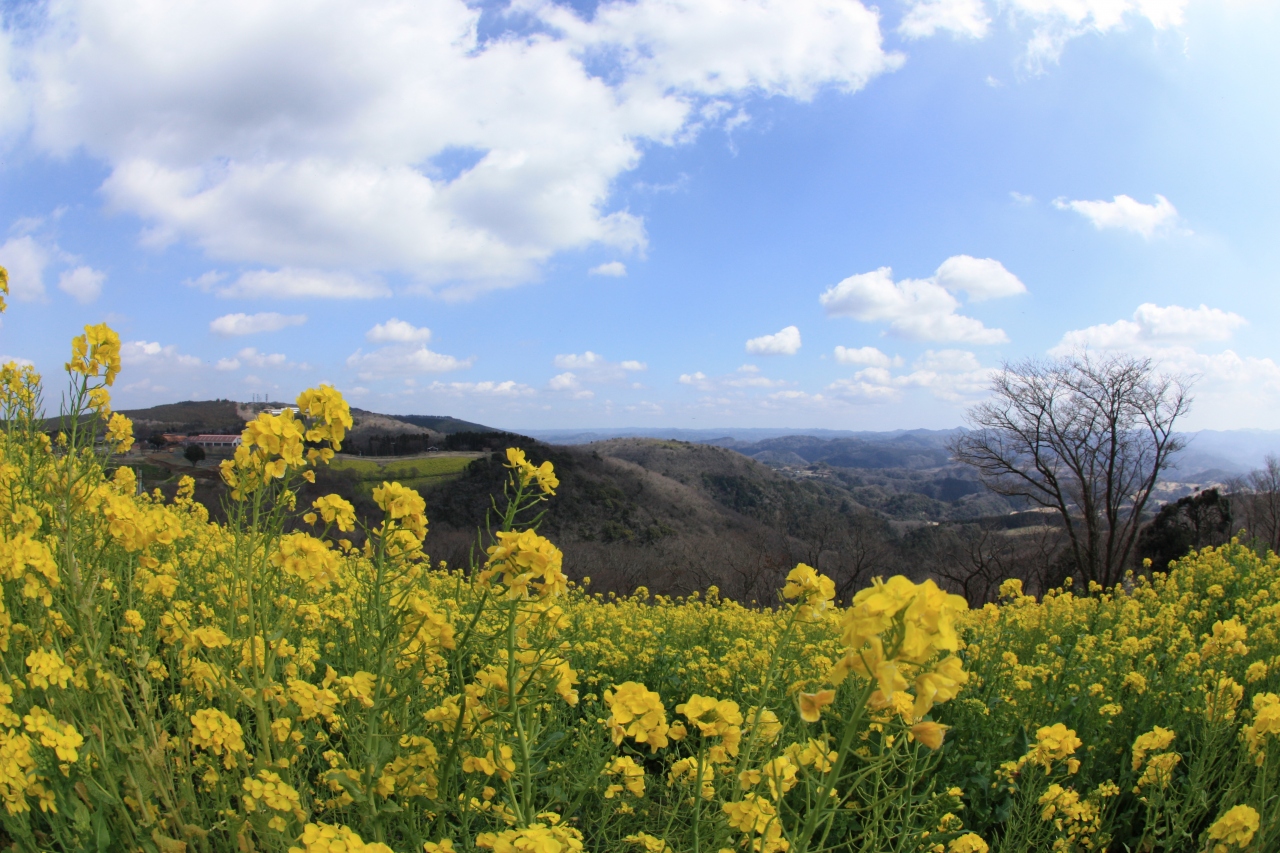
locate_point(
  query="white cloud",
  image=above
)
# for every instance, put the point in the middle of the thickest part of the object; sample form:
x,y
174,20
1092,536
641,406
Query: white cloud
x,y
925,309
82,283
869,356
403,358
205,281
586,361
746,376
1149,220
232,325
18,360
1052,23
378,135
753,381
25,259
980,278
1153,325
303,283
154,354
961,17
698,380
1056,22
1231,391
398,331
251,357
955,376
947,360
592,367
785,342
859,390
613,268
797,397
1173,322
508,388
568,382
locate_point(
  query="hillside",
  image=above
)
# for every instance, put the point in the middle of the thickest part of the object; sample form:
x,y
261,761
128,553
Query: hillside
x,y
371,432
191,416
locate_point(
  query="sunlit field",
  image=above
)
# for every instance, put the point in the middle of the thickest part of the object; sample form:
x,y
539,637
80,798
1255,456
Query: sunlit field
x,y
418,473
171,684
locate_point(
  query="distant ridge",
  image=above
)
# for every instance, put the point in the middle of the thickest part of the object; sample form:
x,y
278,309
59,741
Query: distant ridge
x,y
222,416
1217,452
443,423
715,436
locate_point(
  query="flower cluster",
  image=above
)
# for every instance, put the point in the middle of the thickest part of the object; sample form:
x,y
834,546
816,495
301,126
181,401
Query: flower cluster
x,y
895,628
270,444
214,731
812,592
526,472
529,566
638,713
96,351
1235,828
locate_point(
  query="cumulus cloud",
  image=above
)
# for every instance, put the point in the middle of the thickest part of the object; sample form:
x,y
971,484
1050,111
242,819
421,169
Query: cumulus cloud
x,y
1232,391
205,282
234,325
959,17
153,354
785,342
252,357
613,268
697,379
979,278
1126,214
569,382
403,359
591,367
745,377
301,284
25,259
1056,22
955,376
1154,325
406,352
926,309
398,331
1051,23
508,388
84,284
406,138
870,356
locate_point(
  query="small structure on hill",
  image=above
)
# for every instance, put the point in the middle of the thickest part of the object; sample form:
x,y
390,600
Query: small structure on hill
x,y
224,443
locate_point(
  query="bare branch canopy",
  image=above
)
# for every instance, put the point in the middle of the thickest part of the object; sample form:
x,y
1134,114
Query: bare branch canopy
x,y
1086,436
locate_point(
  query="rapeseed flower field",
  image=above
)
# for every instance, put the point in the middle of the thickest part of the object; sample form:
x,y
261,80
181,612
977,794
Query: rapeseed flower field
x,y
170,684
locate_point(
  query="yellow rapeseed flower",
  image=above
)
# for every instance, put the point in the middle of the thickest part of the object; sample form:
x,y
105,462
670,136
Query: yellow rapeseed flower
x,y
1236,828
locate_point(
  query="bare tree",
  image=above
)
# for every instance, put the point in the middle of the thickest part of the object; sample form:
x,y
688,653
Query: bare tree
x,y
1085,436
974,560
1258,496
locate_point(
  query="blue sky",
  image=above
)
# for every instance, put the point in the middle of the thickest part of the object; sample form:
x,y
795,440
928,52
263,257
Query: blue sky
x,y
810,213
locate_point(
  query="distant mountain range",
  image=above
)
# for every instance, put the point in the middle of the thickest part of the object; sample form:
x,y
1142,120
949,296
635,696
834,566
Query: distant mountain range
x,y
1220,452
715,436
1211,454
